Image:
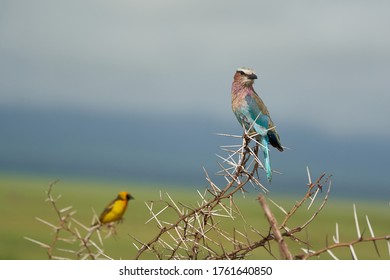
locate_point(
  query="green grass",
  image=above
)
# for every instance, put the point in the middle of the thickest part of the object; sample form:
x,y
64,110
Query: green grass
x,y
22,198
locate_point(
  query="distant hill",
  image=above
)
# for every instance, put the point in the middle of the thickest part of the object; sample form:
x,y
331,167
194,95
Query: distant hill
x,y
172,150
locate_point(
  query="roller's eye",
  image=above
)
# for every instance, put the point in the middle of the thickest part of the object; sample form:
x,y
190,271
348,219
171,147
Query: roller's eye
x,y
241,72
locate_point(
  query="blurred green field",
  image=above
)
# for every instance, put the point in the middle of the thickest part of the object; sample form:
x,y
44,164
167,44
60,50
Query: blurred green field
x,y
22,198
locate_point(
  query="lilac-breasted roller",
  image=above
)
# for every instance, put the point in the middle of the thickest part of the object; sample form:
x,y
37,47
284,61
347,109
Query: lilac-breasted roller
x,y
252,113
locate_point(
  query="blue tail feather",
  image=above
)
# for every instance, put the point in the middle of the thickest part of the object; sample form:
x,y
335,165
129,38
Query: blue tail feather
x,y
267,164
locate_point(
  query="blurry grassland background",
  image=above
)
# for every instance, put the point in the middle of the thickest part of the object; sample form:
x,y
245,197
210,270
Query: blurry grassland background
x,y
134,91
23,198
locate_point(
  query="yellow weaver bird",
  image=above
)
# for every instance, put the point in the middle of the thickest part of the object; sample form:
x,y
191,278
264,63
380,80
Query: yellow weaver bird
x,y
115,210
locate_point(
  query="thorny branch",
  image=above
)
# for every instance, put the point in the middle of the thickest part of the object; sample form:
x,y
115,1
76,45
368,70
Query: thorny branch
x,y
340,245
69,235
197,232
200,232
284,251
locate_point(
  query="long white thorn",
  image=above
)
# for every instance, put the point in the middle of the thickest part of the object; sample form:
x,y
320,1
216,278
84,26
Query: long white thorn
x,y
230,146
37,242
336,238
369,227
174,204
312,199
46,223
225,160
277,205
154,216
228,135
331,254
65,209
388,246
356,221
353,252
308,174
201,196
253,123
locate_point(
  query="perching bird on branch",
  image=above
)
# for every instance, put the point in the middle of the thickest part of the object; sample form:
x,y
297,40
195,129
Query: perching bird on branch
x,y
115,210
252,113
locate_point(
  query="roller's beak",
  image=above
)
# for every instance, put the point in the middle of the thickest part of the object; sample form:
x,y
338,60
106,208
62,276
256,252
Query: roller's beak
x,y
252,76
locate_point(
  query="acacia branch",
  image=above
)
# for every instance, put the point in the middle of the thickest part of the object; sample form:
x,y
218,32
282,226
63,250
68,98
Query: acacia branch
x,y
340,245
284,251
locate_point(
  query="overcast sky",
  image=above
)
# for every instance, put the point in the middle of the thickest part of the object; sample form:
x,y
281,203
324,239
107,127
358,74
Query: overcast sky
x,y
323,64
